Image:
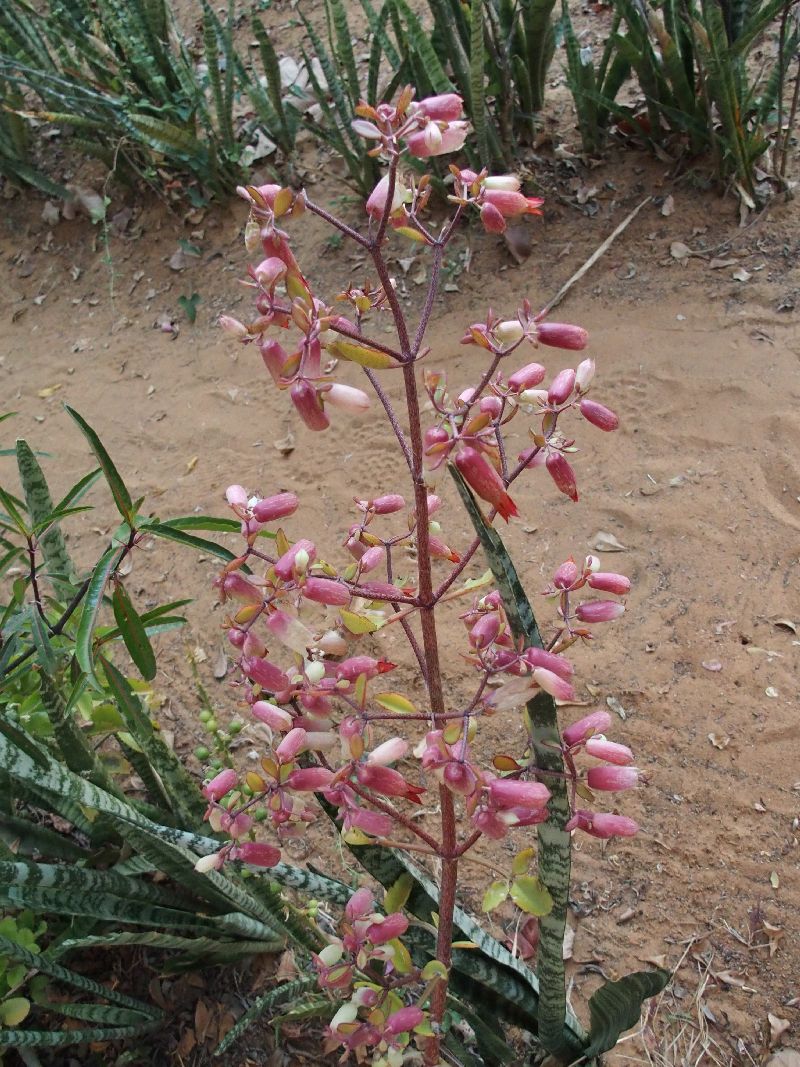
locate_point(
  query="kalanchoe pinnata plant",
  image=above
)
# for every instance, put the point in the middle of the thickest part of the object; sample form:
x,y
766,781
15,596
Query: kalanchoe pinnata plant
x,y
298,614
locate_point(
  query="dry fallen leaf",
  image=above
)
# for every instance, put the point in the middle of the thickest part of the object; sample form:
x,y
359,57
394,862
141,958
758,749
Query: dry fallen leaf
x,y
777,1028
741,275
785,624
519,241
719,742
190,466
177,261
787,1057
569,942
774,880
220,668
678,250
772,692
49,390
668,207
286,444
719,262
732,980
606,542
616,707
774,935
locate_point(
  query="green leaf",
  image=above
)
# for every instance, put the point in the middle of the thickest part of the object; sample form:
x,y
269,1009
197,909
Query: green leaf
x,y
494,896
396,896
172,533
13,1011
617,1006
79,489
84,652
41,639
43,515
530,895
133,633
122,497
16,520
189,305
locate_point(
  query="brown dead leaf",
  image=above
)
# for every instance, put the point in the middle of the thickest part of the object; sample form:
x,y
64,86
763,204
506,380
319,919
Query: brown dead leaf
x,y
777,1028
286,444
719,742
678,250
569,942
668,207
787,1057
203,1020
287,967
655,961
785,624
774,935
186,1043
606,542
220,668
732,980
190,466
712,665
519,241
741,275
177,261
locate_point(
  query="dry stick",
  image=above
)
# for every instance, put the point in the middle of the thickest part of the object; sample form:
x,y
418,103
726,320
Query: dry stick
x,y
593,258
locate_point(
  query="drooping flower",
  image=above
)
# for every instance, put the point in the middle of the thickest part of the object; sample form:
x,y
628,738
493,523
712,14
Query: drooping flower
x,y
481,476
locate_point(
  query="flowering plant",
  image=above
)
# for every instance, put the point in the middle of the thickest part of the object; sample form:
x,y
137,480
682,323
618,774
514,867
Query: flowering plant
x,y
300,621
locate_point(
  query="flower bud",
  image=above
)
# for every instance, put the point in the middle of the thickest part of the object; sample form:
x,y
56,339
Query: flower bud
x,y
253,645
599,610
314,671
269,272
481,476
526,377
236,637
509,332
388,504
485,630
562,474
274,356
609,582
394,925
596,722
400,1022
309,779
584,375
275,717
562,335
257,853
360,904
602,824
372,558
236,495
235,586
232,326
213,862
292,744
331,955
350,669
433,138
511,203
598,415
491,405
609,751
221,784
307,403
326,591
492,219
540,657
446,107
558,688
388,752
347,398
511,793
506,182
265,674
561,387
592,563
286,566
533,396
612,779
566,575
376,204
275,507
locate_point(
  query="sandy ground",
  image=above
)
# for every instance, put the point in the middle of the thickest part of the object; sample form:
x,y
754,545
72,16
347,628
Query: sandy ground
x,y
700,485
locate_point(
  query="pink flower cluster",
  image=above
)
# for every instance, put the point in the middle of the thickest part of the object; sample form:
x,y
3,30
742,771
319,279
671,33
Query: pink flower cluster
x,y
374,1016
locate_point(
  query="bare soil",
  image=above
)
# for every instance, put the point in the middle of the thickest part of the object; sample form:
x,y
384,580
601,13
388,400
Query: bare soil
x,y
700,485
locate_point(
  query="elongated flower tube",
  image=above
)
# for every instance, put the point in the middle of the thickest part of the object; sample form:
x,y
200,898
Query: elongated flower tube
x,y
485,630
347,398
526,377
371,822
326,591
596,722
510,793
308,405
598,415
388,782
609,582
400,1022
266,674
551,661
309,779
388,752
561,386
274,356
275,717
481,476
560,470
387,504
275,507
562,335
269,272
554,684
235,586
257,853
292,745
602,824
221,784
509,183
350,669
394,925
599,610
290,631
599,747
510,203
446,107
584,375
493,220
612,779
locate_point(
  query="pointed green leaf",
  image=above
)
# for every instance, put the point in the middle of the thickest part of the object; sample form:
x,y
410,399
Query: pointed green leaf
x,y
617,1006
494,896
133,633
91,608
122,497
530,895
41,639
172,533
43,515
